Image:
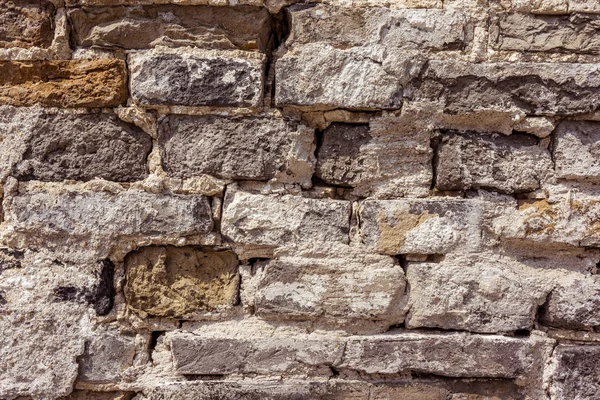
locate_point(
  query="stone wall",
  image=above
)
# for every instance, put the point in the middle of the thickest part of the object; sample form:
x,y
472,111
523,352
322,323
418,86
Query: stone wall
x,y
238,199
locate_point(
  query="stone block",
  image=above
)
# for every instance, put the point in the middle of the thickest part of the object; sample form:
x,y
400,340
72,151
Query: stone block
x,y
246,148
180,282
510,164
26,23
143,27
199,78
576,370
577,150
432,226
64,83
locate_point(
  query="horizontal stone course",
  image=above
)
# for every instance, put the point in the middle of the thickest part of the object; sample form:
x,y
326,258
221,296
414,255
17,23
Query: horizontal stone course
x,y
452,355
64,83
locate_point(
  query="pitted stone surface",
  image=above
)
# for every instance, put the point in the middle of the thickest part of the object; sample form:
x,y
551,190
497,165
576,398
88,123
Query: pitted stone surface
x,y
26,23
212,79
245,28
178,282
237,148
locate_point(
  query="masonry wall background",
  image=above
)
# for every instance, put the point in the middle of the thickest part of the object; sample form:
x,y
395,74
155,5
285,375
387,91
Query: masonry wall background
x,y
343,200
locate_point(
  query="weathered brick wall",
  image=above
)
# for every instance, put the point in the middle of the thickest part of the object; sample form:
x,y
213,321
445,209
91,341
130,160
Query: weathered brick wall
x,y
364,200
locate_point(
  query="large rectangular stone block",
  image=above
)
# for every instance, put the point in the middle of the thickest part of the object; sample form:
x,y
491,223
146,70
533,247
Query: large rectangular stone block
x,y
38,145
257,223
574,33
243,27
487,294
576,150
26,23
197,78
341,26
107,214
384,159
415,226
510,164
248,148
65,83
343,287
462,88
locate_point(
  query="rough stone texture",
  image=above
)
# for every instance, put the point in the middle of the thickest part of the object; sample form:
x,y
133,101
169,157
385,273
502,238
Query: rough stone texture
x,y
454,355
576,372
275,199
180,282
342,286
564,221
26,23
573,304
106,356
421,226
350,26
196,355
511,164
107,214
237,148
72,83
529,88
202,78
573,33
383,159
258,223
245,28
55,147
577,151
484,293
320,76
42,334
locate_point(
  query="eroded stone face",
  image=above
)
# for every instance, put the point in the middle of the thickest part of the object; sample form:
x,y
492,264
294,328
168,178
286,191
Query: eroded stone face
x,y
142,27
572,33
577,150
256,224
180,282
26,23
248,148
421,226
72,83
574,303
576,372
78,147
510,164
476,293
213,79
384,159
530,88
346,288
106,357
429,29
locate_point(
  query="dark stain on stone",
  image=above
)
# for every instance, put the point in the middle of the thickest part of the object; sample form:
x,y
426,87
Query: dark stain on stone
x,y
105,291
